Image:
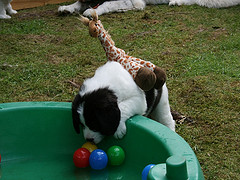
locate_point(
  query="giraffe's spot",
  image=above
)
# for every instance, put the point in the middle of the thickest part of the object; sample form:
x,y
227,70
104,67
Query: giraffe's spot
x,y
136,68
108,39
148,64
107,43
121,61
107,50
117,58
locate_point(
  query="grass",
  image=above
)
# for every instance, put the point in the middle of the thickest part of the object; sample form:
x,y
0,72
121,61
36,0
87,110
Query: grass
x,y
198,47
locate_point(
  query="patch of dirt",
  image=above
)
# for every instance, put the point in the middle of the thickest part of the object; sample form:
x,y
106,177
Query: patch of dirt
x,y
134,36
180,118
218,32
215,32
44,38
36,14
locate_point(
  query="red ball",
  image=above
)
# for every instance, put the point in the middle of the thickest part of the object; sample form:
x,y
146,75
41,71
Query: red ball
x,y
81,157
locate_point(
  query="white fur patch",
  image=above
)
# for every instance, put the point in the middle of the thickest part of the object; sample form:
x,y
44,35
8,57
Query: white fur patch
x,y
126,5
207,3
5,7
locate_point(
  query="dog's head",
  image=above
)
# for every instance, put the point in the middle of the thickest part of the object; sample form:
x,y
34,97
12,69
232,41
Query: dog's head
x,y
98,114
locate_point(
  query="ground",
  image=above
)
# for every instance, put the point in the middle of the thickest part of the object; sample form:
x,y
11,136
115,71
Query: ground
x,y
41,51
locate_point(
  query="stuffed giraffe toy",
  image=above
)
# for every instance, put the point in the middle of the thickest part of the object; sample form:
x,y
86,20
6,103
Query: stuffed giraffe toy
x,y
145,74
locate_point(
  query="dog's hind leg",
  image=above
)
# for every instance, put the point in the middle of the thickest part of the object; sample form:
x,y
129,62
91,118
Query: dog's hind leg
x,y
72,8
162,112
117,6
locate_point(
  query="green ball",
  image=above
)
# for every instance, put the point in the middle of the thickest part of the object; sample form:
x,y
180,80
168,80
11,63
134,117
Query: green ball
x,y
116,155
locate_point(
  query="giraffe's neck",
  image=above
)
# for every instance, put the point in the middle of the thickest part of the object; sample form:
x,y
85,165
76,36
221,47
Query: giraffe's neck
x,y
131,64
105,40
112,52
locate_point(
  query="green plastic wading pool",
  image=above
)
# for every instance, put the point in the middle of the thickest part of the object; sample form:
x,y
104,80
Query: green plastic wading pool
x,y
37,141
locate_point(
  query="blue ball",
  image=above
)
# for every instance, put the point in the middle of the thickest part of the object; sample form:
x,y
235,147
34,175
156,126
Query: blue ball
x,y
146,171
98,159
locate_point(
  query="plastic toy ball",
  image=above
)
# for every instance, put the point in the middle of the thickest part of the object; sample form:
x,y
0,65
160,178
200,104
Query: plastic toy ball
x,y
98,159
89,146
116,155
146,171
81,157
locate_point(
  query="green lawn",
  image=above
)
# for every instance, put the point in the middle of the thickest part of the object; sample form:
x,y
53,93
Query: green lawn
x,y
198,47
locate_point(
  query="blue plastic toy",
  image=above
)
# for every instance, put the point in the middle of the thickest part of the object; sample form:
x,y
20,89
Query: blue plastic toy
x,y
146,171
98,159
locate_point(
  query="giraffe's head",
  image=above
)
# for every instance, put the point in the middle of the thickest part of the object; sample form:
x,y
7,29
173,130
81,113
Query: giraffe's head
x,y
92,24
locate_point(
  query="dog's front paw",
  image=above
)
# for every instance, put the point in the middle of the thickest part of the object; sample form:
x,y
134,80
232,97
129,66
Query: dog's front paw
x,y
121,131
173,2
73,8
65,9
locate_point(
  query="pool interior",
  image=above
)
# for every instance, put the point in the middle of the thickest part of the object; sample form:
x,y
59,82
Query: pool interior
x,y
40,143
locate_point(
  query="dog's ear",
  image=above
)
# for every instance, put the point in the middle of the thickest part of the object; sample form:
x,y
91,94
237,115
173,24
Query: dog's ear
x,y
108,114
75,115
101,111
109,119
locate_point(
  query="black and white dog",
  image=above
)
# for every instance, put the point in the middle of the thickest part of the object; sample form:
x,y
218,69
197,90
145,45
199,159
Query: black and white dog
x,y
110,97
108,6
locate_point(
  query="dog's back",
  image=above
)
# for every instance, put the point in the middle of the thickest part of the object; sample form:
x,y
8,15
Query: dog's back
x,y
116,78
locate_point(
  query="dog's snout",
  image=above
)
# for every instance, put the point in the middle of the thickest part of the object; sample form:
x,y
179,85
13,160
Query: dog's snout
x,y
90,139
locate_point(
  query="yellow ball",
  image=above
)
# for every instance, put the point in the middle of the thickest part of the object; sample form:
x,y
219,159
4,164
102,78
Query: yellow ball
x,y
89,146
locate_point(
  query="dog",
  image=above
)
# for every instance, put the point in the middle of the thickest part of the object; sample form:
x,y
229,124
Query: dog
x,y
206,3
110,97
5,7
108,6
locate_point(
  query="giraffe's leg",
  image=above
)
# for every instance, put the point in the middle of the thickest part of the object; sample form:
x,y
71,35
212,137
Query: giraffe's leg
x,y
144,78
160,73
161,77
